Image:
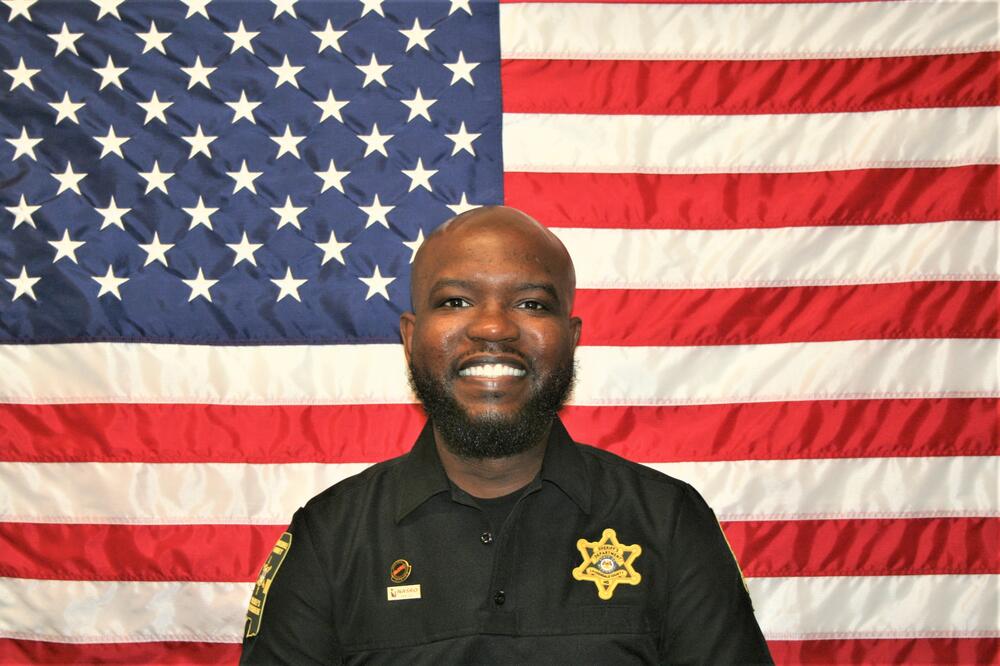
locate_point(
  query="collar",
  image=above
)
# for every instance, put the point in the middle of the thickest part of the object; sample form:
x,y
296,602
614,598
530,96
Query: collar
x,y
420,474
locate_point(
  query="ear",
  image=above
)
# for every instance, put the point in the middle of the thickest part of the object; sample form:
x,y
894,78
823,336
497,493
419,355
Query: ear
x,y
576,327
407,322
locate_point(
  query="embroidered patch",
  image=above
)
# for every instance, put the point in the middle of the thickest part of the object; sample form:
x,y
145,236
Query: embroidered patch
x,y
400,592
607,563
267,573
399,571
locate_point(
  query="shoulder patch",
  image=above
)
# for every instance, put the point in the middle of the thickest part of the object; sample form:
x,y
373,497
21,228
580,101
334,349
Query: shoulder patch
x,y
255,612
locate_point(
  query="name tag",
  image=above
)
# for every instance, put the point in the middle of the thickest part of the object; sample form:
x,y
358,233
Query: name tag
x,y
400,592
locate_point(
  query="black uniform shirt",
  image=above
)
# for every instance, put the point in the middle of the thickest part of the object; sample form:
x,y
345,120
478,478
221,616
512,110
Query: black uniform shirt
x,y
343,588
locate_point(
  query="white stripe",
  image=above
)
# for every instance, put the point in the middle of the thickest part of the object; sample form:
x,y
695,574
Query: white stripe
x,y
845,488
758,143
789,256
962,606
787,609
853,369
745,31
236,493
120,612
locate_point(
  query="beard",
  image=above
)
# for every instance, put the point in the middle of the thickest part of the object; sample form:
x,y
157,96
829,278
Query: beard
x,y
493,435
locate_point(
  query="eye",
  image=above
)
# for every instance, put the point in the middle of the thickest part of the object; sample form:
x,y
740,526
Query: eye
x,y
532,305
455,302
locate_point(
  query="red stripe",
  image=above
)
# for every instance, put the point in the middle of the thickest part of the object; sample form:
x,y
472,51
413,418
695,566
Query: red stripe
x,y
369,433
888,651
211,553
40,652
757,200
866,547
843,651
722,87
203,553
620,317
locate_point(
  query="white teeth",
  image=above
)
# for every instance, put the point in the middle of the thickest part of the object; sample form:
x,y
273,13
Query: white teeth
x,y
492,370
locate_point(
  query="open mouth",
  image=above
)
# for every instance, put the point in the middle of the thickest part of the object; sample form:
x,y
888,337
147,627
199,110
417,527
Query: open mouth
x,y
492,371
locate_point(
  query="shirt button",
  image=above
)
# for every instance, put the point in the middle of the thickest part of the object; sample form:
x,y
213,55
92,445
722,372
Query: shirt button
x,y
499,598
486,538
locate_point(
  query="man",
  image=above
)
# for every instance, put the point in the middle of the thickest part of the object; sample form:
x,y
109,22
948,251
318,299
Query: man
x,y
497,539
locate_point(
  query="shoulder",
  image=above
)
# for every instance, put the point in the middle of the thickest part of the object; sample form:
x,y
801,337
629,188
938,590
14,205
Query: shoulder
x,y
346,494
610,465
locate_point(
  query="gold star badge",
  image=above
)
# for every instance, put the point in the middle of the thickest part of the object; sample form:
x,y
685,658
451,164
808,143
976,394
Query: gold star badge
x,y
607,563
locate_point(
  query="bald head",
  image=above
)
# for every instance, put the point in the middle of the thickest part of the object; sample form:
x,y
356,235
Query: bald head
x,y
485,231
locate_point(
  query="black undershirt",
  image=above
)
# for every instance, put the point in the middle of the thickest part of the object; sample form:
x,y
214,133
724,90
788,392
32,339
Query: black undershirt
x,y
498,508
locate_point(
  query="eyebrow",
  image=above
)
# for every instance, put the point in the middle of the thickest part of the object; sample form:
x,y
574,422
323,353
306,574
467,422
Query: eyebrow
x,y
547,287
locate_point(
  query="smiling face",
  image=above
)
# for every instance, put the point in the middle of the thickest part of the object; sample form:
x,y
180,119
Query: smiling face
x,y
490,340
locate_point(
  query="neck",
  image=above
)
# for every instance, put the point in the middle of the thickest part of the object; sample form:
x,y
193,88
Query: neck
x,y
491,477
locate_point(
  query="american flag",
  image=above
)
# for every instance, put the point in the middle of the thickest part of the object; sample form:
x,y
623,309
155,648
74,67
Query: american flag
x,y
784,218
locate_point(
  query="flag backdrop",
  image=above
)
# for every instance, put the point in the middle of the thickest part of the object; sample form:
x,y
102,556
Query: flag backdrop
x,y
784,218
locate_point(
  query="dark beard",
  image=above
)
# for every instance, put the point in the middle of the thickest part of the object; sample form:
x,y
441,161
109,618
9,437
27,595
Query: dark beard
x,y
492,435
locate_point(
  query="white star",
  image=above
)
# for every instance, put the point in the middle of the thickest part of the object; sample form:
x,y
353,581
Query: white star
x,y
153,39
284,6
288,214
288,143
23,284
463,140
418,106
461,70
419,176
196,7
377,284
199,143
155,250
110,74
331,107
332,178
111,143
66,40
244,178
198,73
377,212
332,249
462,206
415,244
24,144
109,283
200,214
417,36
108,7
67,108
373,71
200,286
372,6
22,213
156,179
66,247
68,179
375,142
286,73
241,38
289,285
21,75
328,37
155,109
19,8
244,250
243,108
113,215
460,4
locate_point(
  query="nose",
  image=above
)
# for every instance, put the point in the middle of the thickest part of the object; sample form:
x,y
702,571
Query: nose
x,y
492,323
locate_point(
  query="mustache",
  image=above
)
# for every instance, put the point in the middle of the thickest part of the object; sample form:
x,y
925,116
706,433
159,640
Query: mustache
x,y
493,348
